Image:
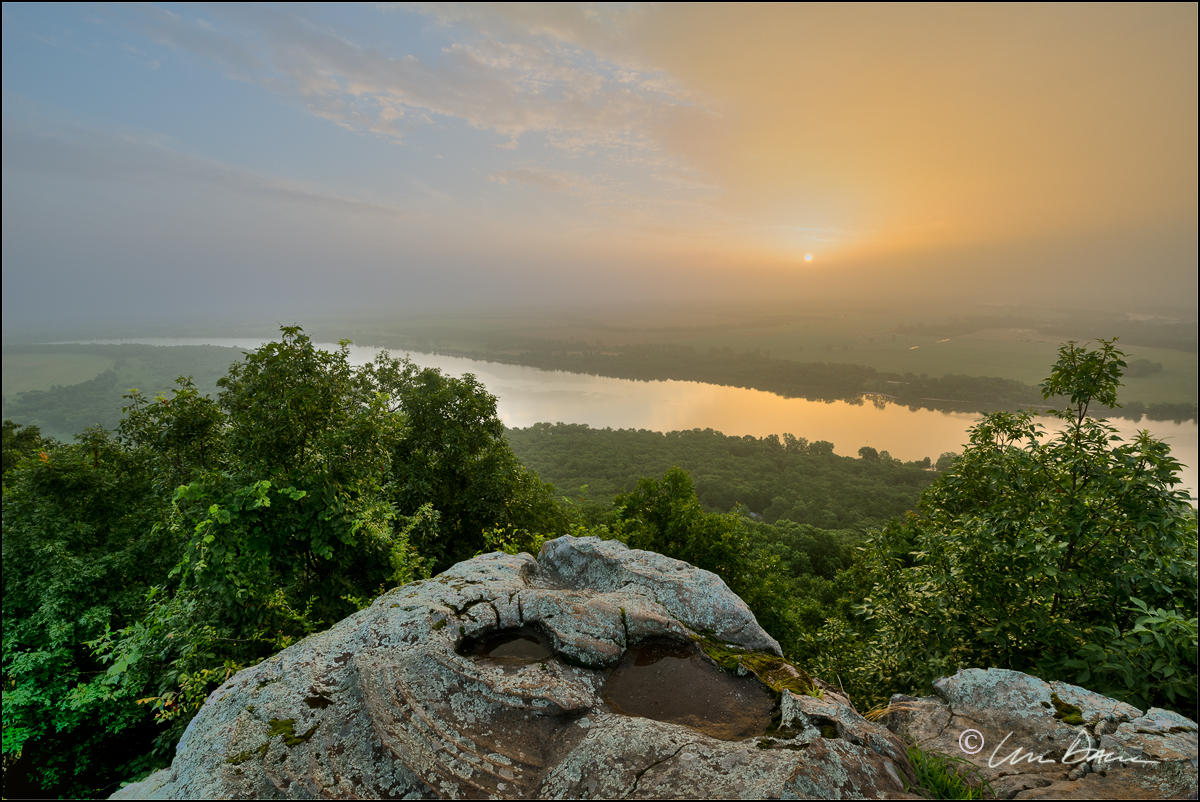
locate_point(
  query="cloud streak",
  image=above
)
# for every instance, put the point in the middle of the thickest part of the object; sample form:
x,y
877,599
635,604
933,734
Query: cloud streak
x,y
531,82
83,154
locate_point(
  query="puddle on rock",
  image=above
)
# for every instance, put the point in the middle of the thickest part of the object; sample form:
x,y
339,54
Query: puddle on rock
x,y
516,647
675,682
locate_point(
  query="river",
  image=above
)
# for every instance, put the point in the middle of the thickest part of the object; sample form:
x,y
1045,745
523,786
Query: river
x,y
529,395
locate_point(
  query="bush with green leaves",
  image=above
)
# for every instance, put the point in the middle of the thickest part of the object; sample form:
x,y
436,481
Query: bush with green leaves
x,y
1071,556
328,484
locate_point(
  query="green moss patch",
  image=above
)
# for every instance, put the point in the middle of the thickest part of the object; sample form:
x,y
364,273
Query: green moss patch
x,y
242,757
774,672
285,727
777,673
1070,714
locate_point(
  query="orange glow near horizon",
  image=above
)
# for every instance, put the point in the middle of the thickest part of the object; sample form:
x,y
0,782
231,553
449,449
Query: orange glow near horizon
x,y
511,148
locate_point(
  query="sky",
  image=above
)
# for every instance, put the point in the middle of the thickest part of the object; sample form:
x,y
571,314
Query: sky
x,y
185,160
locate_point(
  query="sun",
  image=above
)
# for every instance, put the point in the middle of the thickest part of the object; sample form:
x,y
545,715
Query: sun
x,y
808,257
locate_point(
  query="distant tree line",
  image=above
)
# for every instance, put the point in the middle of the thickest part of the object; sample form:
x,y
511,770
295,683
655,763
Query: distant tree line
x,y
67,410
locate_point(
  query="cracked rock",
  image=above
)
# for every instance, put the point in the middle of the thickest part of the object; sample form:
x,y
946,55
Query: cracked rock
x,y
489,680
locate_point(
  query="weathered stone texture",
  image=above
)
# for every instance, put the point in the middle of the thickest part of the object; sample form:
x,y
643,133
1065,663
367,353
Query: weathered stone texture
x,y
384,705
1026,750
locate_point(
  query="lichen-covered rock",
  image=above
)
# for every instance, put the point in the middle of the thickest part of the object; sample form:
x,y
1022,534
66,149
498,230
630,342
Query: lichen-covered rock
x,y
1031,739
424,695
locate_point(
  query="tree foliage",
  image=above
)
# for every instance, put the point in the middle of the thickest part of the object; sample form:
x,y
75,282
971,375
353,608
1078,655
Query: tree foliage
x,y
80,548
453,456
783,478
1068,555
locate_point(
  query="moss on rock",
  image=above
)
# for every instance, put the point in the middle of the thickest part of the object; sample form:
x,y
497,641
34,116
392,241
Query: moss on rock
x,y
286,728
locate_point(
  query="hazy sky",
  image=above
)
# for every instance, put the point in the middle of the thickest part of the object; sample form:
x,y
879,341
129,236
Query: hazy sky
x,y
191,158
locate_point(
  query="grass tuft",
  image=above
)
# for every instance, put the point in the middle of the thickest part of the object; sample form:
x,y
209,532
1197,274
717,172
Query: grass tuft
x,y
942,776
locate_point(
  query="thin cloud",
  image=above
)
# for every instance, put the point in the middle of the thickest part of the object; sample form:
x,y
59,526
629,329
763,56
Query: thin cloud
x,y
547,180
545,74
82,153
509,86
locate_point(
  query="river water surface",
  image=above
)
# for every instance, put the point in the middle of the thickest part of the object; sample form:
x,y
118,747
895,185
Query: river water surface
x,y
530,395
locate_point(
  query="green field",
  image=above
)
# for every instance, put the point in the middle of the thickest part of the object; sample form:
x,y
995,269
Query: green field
x,y
25,372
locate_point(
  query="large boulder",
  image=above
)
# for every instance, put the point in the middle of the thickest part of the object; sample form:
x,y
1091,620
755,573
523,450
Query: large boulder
x,y
593,671
1031,739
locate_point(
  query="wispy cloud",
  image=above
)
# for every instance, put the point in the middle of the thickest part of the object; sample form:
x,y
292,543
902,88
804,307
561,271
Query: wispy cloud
x,y
127,158
552,81
511,82
549,180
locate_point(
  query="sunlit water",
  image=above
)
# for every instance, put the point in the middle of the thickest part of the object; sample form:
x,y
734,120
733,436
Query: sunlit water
x,y
529,395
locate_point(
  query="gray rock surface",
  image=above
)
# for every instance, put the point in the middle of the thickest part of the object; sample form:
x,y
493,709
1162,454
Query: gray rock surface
x,y
392,702
1016,730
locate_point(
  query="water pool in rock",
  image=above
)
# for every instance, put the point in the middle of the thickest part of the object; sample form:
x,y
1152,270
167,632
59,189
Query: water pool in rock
x,y
509,647
675,682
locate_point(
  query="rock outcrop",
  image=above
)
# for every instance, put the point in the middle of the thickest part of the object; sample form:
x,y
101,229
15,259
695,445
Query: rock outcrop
x,y
590,672
596,671
1031,739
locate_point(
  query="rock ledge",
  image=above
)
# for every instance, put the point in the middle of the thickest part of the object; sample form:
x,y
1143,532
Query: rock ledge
x,y
384,704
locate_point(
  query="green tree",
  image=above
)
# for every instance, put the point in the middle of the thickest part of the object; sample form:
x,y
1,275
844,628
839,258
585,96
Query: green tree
x,y
453,456
184,432
946,460
80,547
284,517
1070,556
144,569
310,486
